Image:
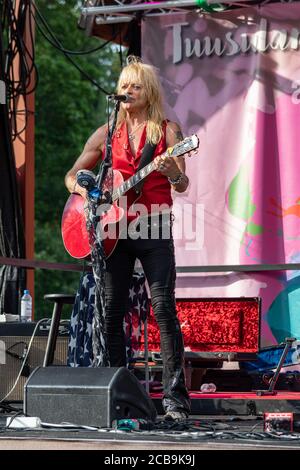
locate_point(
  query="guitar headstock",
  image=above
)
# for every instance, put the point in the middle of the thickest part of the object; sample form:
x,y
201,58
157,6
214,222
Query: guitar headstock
x,y
183,147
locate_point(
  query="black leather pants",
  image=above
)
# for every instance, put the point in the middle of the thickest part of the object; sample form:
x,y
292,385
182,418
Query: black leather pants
x,y
158,261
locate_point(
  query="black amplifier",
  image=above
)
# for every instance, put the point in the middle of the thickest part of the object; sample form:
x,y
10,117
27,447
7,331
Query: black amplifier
x,y
14,342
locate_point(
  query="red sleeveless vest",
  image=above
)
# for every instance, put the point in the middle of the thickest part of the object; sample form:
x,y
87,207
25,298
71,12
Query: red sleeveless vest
x,y
156,188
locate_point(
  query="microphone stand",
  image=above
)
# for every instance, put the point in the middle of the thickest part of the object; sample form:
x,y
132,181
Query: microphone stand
x,y
107,161
95,199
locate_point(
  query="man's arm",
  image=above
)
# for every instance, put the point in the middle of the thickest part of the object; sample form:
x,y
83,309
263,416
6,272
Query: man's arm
x,y
173,136
88,159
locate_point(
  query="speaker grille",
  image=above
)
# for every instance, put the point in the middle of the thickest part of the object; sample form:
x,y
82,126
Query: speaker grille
x,y
15,345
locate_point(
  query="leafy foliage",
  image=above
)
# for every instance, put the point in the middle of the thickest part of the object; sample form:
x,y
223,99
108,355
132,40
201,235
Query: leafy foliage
x,y
68,109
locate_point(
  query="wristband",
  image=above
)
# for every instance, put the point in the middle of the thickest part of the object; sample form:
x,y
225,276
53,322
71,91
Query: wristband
x,y
176,180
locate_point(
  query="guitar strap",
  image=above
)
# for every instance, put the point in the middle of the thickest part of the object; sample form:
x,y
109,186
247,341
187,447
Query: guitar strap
x,y
147,154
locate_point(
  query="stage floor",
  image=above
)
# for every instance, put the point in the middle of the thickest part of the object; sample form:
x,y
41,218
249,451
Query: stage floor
x,y
221,427
205,433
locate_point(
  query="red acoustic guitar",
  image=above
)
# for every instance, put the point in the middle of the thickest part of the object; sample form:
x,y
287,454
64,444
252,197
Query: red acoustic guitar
x,y
73,226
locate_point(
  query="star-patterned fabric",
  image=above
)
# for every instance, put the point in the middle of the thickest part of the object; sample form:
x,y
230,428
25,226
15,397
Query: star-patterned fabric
x,y
80,350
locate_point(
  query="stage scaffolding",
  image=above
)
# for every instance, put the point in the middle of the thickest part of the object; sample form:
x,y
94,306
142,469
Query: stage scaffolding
x,y
100,18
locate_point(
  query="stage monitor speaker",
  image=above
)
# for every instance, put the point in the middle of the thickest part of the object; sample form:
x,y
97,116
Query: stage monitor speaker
x,y
90,396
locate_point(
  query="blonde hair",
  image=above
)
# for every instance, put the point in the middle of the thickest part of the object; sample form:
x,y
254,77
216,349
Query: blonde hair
x,y
137,72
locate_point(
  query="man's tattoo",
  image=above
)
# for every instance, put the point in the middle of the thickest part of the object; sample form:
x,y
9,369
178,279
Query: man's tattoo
x,y
179,136
177,133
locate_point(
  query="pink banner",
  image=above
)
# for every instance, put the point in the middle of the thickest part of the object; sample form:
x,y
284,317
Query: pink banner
x,y
234,79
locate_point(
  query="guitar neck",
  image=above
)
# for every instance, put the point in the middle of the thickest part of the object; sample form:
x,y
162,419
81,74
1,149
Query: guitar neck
x,y
133,180
181,148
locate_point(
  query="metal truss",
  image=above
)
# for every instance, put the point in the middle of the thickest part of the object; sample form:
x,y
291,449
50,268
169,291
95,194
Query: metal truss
x,y
124,11
109,12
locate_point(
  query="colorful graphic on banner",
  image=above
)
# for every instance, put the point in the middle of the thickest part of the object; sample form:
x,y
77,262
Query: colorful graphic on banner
x,y
234,79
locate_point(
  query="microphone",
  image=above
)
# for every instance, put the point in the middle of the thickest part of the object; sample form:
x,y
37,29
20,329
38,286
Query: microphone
x,y
123,98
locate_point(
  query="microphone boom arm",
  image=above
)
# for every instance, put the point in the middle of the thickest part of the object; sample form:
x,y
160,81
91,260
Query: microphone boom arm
x,y
107,161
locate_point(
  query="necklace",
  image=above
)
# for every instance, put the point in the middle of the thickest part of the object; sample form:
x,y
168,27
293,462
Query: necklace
x,y
131,135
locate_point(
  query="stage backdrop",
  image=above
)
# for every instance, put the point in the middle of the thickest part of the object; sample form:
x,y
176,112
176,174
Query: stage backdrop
x,y
234,79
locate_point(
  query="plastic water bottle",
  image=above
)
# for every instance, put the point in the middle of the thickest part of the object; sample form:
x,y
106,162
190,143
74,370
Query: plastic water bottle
x,y
26,307
208,388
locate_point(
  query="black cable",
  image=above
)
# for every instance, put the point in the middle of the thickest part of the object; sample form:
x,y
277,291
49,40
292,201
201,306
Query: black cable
x,y
7,407
59,45
18,413
120,49
61,48
14,25
16,45
15,355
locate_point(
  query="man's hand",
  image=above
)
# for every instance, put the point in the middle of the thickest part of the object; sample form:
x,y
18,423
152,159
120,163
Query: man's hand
x,y
167,166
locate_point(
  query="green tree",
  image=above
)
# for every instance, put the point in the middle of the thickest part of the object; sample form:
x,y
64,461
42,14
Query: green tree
x,y
68,109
